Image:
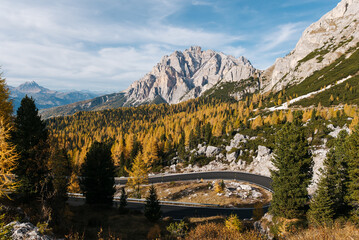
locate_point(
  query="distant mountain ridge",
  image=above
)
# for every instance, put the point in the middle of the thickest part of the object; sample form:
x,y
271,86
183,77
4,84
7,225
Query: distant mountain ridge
x,y
46,98
176,78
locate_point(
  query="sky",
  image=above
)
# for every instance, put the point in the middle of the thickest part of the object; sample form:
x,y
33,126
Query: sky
x,y
105,45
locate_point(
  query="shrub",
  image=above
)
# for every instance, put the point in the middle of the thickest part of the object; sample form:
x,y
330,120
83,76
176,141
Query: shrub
x,y
233,223
178,229
215,231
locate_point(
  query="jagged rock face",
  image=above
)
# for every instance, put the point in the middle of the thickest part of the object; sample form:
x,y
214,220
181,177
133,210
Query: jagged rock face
x,y
185,75
326,40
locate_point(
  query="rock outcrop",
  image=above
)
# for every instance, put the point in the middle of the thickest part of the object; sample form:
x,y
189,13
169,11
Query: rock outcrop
x,y
320,45
27,230
186,75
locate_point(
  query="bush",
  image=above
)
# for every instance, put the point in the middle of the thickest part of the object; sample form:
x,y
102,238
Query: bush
x,y
233,223
178,229
215,231
5,231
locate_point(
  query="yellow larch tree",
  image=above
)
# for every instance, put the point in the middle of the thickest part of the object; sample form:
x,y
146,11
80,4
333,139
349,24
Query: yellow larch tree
x,y
8,158
138,174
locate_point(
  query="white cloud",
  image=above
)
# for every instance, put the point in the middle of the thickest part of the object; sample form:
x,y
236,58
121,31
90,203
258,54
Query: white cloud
x,y
58,45
285,33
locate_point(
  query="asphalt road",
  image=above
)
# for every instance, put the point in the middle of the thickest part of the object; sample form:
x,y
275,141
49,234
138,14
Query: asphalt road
x,y
179,212
225,175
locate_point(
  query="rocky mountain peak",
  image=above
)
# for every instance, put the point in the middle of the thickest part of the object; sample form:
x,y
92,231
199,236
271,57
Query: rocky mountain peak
x,y
185,75
320,45
31,87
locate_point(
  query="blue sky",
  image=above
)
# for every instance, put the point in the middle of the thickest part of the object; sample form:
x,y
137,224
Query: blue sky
x,y
107,44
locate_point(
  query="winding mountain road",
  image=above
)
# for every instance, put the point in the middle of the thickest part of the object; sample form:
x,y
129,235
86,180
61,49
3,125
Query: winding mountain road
x,y
180,211
259,180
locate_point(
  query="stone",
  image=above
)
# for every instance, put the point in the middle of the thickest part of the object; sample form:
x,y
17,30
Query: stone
x,y
211,151
232,157
202,150
262,164
336,130
245,187
235,142
26,230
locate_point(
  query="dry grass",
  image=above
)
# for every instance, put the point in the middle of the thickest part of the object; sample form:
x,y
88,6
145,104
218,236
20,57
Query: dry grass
x,y
217,231
346,232
200,192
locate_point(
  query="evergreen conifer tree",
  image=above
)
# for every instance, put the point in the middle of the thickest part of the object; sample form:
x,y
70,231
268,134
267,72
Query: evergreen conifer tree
x,y
330,201
321,210
353,155
293,163
336,172
30,137
98,174
152,207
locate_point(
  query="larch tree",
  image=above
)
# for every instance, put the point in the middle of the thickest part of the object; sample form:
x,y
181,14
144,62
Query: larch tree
x,y
293,163
6,107
138,174
8,160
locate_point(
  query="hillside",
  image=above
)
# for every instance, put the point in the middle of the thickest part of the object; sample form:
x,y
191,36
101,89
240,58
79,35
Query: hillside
x,y
231,124
321,44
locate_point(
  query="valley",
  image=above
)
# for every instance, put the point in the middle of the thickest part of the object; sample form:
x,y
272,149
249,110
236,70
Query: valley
x,y
202,146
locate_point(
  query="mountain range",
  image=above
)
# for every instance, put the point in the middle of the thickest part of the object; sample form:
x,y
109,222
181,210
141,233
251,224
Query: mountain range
x,y
46,98
196,72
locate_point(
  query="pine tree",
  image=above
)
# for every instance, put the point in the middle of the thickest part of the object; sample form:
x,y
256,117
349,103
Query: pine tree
x,y
293,162
192,140
353,155
98,174
30,137
322,206
152,207
336,174
123,201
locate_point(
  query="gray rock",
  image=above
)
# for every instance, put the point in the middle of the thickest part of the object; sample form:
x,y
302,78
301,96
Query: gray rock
x,y
202,150
231,157
21,231
235,142
263,225
186,75
211,151
262,164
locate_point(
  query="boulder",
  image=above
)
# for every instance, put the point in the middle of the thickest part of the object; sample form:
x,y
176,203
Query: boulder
x,y
262,164
26,230
212,151
202,150
232,157
263,225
